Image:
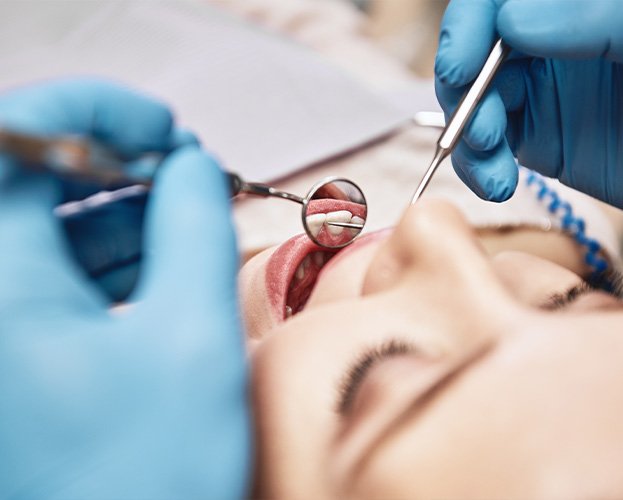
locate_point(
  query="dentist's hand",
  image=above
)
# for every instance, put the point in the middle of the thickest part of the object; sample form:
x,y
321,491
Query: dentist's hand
x,y
557,104
106,242
147,402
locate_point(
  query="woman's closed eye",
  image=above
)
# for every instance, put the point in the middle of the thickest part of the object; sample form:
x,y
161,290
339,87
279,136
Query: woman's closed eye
x,y
402,372
361,367
609,286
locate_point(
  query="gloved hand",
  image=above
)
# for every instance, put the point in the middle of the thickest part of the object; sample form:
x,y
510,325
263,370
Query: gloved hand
x,y
143,402
557,104
106,242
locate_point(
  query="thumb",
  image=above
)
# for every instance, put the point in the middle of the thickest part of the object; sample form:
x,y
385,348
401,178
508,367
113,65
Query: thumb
x,y
191,259
564,29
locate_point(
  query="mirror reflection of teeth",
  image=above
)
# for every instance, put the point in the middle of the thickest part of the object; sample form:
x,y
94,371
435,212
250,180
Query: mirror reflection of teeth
x,y
339,216
315,222
356,220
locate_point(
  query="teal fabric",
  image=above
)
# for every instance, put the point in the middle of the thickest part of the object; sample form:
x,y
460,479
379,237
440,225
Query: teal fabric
x,y
557,103
149,402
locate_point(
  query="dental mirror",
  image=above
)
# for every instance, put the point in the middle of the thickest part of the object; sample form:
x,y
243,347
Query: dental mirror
x,y
334,212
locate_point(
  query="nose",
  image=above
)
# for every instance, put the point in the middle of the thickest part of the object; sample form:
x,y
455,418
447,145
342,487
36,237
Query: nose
x,y
432,239
440,279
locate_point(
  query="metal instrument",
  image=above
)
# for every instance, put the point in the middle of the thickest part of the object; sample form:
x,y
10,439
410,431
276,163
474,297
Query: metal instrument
x,y
334,211
463,112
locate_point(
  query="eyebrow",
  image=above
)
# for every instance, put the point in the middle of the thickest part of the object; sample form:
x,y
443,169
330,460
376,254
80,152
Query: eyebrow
x,y
359,369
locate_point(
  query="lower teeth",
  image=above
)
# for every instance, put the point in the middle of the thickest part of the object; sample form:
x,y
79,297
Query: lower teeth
x,y
319,259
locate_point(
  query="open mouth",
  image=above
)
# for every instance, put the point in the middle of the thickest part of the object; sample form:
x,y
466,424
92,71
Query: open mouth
x,y
293,269
303,281
291,274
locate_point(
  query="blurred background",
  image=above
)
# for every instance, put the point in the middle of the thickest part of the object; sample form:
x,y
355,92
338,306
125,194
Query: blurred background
x,y
407,29
240,73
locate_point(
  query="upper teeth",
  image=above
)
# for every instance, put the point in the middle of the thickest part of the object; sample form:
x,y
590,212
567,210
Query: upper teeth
x,y
316,221
356,220
339,216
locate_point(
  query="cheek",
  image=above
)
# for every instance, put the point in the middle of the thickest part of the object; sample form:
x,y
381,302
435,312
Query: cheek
x,y
342,279
531,279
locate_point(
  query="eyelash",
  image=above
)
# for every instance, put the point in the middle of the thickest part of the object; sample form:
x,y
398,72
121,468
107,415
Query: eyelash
x,y
561,300
612,285
610,282
361,367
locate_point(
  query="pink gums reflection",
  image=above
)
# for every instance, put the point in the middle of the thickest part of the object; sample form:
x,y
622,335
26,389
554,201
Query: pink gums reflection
x,y
336,236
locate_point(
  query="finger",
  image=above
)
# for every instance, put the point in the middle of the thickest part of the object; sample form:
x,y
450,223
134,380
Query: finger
x,y
183,137
487,126
35,264
492,175
465,40
562,29
115,115
190,256
535,129
510,82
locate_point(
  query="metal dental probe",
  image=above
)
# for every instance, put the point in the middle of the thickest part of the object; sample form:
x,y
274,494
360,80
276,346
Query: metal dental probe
x,y
81,159
463,112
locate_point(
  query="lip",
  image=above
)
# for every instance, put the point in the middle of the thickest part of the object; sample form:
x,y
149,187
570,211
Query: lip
x,y
325,236
364,240
282,265
327,205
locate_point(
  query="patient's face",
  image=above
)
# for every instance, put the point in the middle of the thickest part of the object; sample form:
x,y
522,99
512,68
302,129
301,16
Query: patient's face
x,y
419,367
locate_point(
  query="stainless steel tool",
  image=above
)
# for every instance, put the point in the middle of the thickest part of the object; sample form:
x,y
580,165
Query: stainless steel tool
x,y
463,112
334,211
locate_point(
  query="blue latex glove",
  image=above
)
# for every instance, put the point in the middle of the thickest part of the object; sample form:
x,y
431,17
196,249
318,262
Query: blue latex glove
x,y
557,105
106,242
147,402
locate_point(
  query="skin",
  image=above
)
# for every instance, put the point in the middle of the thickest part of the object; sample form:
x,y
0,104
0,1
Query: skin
x,y
496,397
